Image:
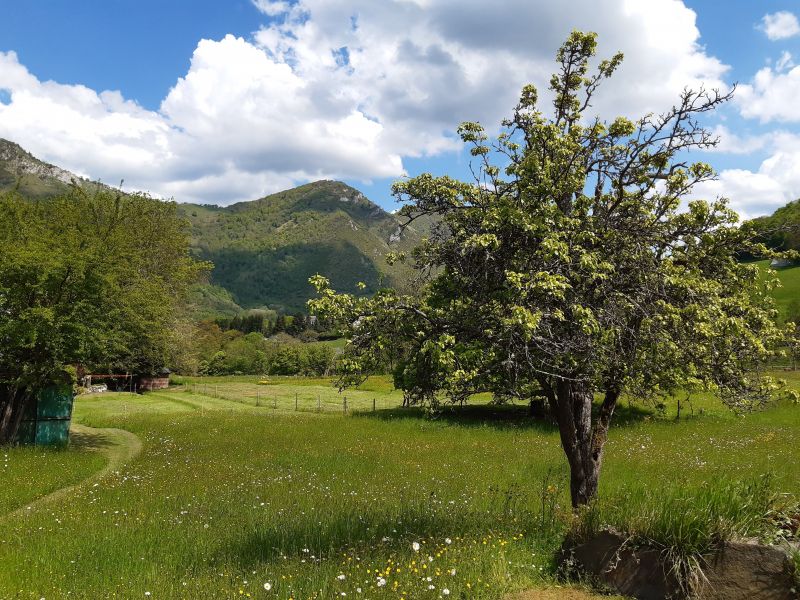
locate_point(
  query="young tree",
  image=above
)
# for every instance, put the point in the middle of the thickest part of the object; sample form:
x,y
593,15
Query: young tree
x,y
572,271
86,278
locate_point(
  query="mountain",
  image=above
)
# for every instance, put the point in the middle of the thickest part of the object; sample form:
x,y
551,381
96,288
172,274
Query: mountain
x,y
32,177
265,250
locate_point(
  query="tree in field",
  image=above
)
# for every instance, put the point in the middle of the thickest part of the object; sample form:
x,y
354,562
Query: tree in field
x,y
87,278
570,270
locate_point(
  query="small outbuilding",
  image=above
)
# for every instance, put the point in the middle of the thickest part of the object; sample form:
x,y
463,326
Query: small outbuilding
x,y
159,381
47,419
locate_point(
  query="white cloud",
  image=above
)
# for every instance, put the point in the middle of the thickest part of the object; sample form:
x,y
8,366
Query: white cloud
x,y
776,182
271,8
780,25
784,62
772,96
730,142
346,90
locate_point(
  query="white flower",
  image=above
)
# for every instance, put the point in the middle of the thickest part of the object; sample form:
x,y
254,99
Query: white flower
x,y
452,572
381,582
431,587
341,577
445,592
448,541
415,546
268,586
358,590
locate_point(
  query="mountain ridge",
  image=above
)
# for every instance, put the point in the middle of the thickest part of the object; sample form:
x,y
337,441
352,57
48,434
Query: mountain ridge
x,y
265,250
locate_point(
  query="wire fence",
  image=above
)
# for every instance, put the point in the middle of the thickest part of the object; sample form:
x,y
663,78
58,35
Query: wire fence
x,y
294,400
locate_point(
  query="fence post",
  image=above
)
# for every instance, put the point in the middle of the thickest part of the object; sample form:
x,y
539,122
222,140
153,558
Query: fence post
x,y
345,405
373,405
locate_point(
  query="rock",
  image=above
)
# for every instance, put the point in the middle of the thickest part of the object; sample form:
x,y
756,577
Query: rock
x,y
748,570
738,571
610,560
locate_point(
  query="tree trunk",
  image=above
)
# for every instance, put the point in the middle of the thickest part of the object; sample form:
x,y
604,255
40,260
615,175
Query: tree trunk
x,y
582,439
11,411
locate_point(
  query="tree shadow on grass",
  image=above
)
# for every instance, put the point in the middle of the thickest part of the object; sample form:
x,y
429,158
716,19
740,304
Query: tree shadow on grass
x,y
88,440
394,531
503,417
500,416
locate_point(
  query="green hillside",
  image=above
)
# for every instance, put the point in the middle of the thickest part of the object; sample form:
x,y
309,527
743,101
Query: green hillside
x,y
208,301
781,230
265,250
789,290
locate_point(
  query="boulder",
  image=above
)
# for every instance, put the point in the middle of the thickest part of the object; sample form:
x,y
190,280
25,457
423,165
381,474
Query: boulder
x,y
748,570
743,570
610,560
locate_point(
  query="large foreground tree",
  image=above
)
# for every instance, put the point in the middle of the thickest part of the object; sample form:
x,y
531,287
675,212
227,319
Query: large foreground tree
x,y
89,278
573,270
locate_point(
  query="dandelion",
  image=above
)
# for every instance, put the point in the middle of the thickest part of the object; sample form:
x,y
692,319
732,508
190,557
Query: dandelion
x,y
268,586
415,546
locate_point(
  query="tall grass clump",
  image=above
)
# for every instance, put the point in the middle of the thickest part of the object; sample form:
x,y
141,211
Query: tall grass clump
x,y
688,523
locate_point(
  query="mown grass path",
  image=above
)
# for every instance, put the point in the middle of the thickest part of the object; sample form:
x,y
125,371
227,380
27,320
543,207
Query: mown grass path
x,y
117,445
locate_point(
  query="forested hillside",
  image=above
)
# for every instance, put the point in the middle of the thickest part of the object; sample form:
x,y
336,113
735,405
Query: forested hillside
x,y
781,230
264,251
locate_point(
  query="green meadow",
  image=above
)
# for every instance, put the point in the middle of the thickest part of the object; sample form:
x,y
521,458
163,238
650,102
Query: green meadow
x,y
236,494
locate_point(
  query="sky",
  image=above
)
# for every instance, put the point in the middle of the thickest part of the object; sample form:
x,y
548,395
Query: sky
x,y
219,101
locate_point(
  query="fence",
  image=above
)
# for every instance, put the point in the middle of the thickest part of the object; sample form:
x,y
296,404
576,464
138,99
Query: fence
x,y
293,401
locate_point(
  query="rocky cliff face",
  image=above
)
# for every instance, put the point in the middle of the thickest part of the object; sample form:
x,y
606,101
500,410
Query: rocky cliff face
x,y
16,160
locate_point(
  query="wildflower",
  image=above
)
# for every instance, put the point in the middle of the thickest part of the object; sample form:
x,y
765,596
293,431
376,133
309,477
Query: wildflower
x,y
448,541
445,592
341,577
415,546
381,582
268,586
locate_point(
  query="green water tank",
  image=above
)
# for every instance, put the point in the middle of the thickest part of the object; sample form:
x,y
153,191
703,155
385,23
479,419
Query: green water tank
x,y
46,420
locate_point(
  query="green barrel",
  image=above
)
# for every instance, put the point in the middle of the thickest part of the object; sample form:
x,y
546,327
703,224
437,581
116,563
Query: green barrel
x,y
46,420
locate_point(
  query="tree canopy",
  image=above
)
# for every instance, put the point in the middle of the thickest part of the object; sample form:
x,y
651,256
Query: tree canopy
x,y
86,278
572,267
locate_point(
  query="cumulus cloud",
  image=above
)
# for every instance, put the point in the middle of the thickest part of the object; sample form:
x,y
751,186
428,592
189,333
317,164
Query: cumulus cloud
x,y
776,182
346,89
780,25
772,96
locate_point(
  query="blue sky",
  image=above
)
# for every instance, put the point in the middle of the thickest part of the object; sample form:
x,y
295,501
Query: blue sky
x,y
216,101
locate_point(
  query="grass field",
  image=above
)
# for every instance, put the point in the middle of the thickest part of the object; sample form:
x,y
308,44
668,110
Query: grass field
x,y
228,498
789,289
